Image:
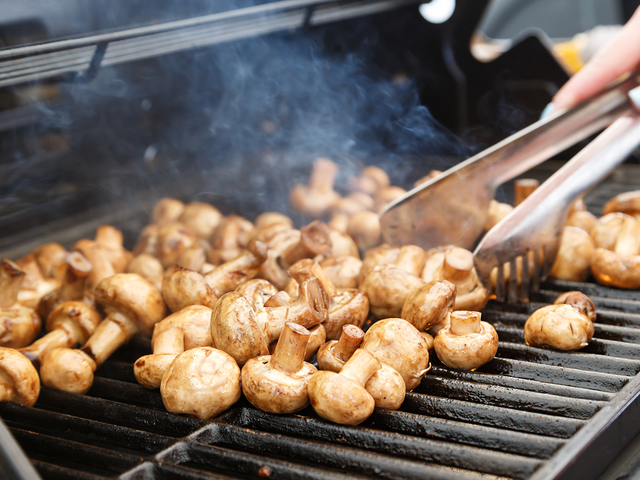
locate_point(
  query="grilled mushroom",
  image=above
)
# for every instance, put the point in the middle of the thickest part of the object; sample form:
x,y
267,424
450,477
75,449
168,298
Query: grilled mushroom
x,y
201,218
229,275
34,286
334,354
172,239
19,382
387,287
381,255
341,397
78,269
147,266
315,239
467,343
429,305
195,322
131,303
371,180
50,258
574,255
400,345
182,287
203,382
342,270
167,210
316,198
19,325
167,345
193,258
69,324
582,219
620,266
606,230
387,387
580,301
365,229
342,244
363,199
278,383
387,195
272,218
628,202
257,291
497,211
562,326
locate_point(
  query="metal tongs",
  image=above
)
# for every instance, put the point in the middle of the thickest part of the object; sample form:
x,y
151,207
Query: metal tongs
x,y
452,208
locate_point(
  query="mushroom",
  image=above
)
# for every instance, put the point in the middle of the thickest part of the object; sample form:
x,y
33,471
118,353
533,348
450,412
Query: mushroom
x,y
524,187
244,333
167,210
381,255
429,305
201,218
574,255
341,397
147,266
101,268
195,322
387,388
193,258
19,325
387,287
172,239
363,199
131,303
620,266
342,270
411,259
280,299
341,211
317,338
364,228
497,211
387,195
316,198
582,219
272,218
226,242
182,287
167,345
315,239
345,305
429,339
50,257
606,230
457,267
34,286
147,241
628,202
229,275
400,345
278,383
111,240
203,382
257,291
467,343
19,382
342,244
334,354
69,324
78,269
561,326
371,180
580,301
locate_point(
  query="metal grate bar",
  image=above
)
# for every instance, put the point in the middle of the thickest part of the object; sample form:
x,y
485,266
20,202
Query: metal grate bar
x,y
56,472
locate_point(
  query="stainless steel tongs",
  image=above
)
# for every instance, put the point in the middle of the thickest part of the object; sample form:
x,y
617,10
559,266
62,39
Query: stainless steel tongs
x,y
452,208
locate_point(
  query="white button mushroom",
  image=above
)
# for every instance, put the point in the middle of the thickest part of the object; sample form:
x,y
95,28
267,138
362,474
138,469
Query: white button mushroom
x,y
561,326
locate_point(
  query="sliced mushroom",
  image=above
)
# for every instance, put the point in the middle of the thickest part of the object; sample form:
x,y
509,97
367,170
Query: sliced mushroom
x,y
341,397
580,301
560,326
429,305
400,345
574,255
203,382
167,345
278,383
316,198
467,343
19,382
19,325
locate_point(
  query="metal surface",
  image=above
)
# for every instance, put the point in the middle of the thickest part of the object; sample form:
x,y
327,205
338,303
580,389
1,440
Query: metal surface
x,y
452,208
535,226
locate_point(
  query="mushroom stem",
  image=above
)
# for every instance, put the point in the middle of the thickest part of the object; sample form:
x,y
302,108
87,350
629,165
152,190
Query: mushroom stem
x,y
309,268
78,269
113,331
290,350
33,275
627,242
523,188
229,275
360,367
458,262
348,343
323,175
10,281
465,322
315,239
280,299
55,339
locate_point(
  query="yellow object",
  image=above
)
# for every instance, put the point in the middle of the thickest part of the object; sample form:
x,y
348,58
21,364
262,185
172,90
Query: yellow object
x,y
568,53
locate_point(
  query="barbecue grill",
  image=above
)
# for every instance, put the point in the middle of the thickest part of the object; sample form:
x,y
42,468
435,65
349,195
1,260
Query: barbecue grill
x,y
530,413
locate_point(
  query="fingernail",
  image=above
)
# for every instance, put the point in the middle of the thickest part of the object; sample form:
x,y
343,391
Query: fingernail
x,y
634,95
548,110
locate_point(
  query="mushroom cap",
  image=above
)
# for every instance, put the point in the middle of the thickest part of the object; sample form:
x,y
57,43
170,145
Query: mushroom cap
x,y
609,268
182,287
272,218
339,399
312,202
387,288
560,326
203,382
342,244
146,265
605,231
580,301
19,326
469,351
377,174
387,195
387,388
327,359
67,370
364,228
342,270
381,255
627,202
429,305
574,255
84,319
580,219
347,306
257,292
167,210
48,256
173,238
201,218
274,391
195,320
133,296
235,330
24,378
150,369
400,345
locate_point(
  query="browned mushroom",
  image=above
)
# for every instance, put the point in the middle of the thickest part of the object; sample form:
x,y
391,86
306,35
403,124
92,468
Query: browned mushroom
x,y
172,239
467,343
182,287
258,291
334,354
582,219
317,338
201,218
497,211
387,287
400,345
77,271
342,270
580,301
19,325
315,239
574,255
34,286
316,198
524,187
272,218
628,202
167,210
167,345
387,387
226,242
387,195
278,383
429,305
50,258
131,303
381,255
280,299
229,275
69,324
341,397
371,180
195,322
147,241
342,244
561,326
203,382
619,266
147,266
19,382
364,228
193,258
606,230
244,333
101,268
271,269
110,239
